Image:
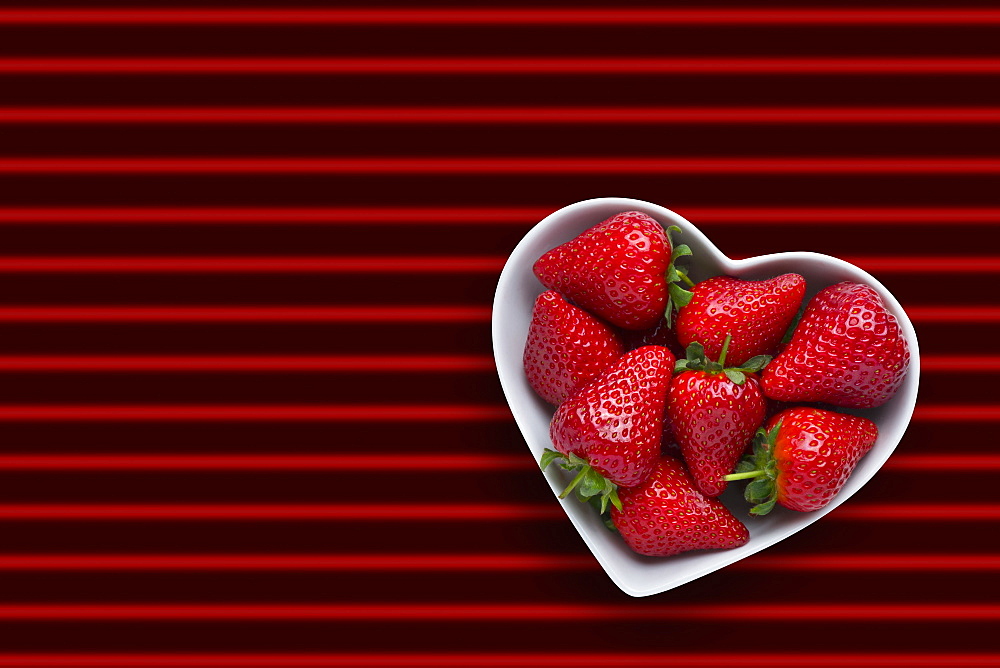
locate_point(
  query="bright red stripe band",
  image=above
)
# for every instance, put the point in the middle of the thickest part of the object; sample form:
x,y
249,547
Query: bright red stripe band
x,y
490,215
370,115
946,364
917,513
506,660
499,165
501,66
241,462
470,562
535,612
969,462
520,16
873,562
167,264
974,313
243,215
249,264
320,562
255,413
340,314
967,264
249,363
343,512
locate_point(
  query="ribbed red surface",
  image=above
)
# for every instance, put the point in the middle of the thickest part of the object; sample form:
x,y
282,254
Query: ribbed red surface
x,y
248,409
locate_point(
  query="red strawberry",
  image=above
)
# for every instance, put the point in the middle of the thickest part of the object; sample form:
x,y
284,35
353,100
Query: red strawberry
x,y
804,458
566,347
847,350
618,270
714,413
755,313
666,515
611,428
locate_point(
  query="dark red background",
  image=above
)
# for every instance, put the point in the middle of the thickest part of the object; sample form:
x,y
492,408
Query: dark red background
x,y
248,413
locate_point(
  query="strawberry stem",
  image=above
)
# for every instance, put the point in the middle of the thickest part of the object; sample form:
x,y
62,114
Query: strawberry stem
x,y
574,482
588,483
725,349
684,277
743,476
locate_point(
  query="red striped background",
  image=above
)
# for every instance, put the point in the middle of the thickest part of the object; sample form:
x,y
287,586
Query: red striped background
x,y
248,410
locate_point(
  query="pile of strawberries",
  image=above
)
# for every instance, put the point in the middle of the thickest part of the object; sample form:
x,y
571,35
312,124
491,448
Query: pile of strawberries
x,y
668,390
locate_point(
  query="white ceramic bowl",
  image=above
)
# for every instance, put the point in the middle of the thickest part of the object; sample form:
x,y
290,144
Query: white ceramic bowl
x,y
516,292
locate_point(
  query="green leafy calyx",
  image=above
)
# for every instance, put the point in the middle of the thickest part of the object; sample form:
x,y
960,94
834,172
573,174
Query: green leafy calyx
x,y
696,360
590,486
677,296
761,469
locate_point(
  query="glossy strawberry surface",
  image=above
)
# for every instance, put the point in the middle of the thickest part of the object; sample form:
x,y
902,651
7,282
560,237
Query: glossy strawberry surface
x,y
615,422
616,270
847,350
755,313
566,347
815,452
713,420
667,515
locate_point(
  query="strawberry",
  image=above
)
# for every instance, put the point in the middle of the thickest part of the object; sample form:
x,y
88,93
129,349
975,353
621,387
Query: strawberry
x,y
755,313
621,270
804,458
566,347
714,412
667,515
610,429
847,350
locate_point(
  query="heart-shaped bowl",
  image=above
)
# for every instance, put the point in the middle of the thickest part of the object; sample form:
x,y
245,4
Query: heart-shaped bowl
x,y
516,291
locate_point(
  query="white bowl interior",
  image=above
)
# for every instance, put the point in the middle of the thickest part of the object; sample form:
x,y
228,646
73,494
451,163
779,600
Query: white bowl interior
x,y
516,292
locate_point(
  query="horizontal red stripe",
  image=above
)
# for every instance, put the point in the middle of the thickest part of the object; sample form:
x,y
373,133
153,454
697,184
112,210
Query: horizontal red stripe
x,y
957,413
426,512
267,264
321,562
341,314
568,659
471,562
745,659
964,264
343,512
368,115
498,66
510,612
241,462
954,313
498,165
842,215
873,562
504,16
490,215
403,215
249,363
972,463
256,412
946,364
384,264
918,513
